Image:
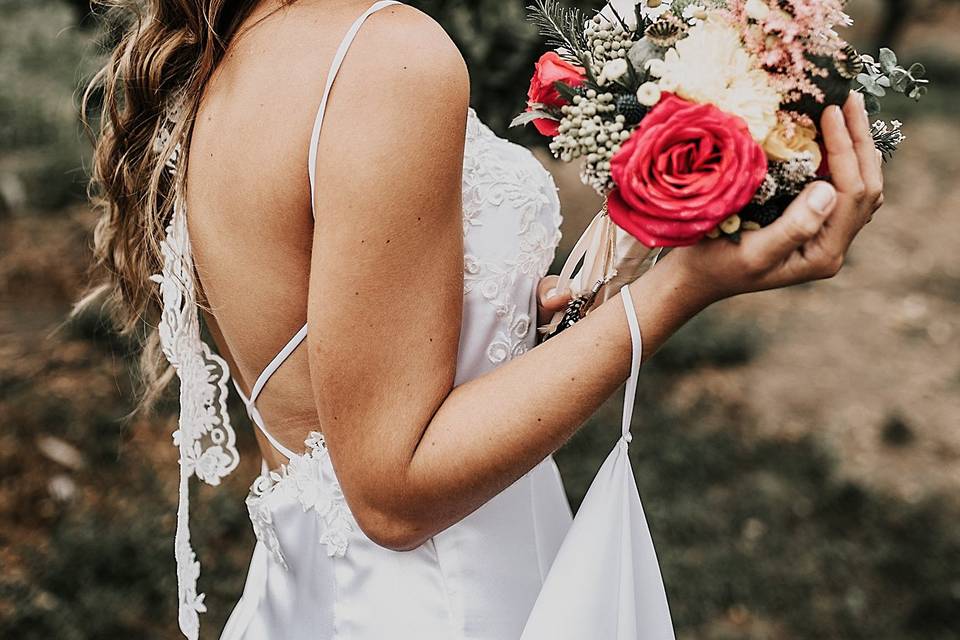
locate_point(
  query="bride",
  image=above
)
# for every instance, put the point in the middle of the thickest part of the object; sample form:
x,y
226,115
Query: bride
x,y
407,427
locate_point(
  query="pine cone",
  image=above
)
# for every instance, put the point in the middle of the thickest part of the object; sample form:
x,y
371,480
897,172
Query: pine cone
x,y
763,214
630,108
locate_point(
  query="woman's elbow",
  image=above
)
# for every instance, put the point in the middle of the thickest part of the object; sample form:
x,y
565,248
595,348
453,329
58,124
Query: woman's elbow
x,y
391,530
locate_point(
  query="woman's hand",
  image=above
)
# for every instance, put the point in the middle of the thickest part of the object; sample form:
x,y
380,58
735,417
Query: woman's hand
x,y
549,300
811,239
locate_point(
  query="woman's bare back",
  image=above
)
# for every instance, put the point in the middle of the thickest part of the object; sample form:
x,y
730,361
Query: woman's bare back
x,y
248,193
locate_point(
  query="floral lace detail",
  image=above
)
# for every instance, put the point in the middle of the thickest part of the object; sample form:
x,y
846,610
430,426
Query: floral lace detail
x,y
308,479
204,436
493,185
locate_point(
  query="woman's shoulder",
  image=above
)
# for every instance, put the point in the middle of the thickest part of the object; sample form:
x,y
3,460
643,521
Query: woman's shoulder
x,y
398,37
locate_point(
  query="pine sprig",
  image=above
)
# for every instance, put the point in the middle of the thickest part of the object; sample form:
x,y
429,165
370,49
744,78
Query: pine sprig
x,y
562,27
886,137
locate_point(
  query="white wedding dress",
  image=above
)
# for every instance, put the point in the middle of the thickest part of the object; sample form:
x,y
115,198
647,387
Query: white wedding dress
x,y
314,575
506,571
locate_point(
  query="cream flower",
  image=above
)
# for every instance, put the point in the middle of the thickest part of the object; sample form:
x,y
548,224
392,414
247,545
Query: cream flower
x,y
791,140
757,9
710,66
627,9
648,94
612,71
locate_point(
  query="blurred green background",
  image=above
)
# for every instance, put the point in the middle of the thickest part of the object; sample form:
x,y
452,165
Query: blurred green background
x,y
798,452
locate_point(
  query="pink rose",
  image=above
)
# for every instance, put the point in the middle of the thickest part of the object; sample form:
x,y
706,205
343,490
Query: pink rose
x,y
550,69
686,168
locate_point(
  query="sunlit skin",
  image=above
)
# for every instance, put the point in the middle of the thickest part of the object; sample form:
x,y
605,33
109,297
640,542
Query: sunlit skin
x,y
379,273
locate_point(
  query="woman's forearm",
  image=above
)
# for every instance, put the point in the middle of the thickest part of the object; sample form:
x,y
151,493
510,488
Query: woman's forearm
x,y
493,429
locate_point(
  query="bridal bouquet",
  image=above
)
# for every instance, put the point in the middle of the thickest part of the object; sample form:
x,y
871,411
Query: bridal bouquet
x,y
697,118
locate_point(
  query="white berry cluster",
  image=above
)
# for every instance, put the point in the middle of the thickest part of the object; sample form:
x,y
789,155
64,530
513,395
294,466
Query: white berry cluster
x,y
589,130
606,41
794,174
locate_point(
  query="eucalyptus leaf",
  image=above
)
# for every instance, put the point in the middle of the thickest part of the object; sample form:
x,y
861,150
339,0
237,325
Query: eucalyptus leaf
x,y
871,85
917,71
527,117
872,104
888,60
900,80
918,92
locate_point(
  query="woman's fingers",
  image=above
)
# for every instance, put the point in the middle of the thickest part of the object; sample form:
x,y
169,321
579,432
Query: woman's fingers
x,y
841,155
776,245
858,125
550,301
846,176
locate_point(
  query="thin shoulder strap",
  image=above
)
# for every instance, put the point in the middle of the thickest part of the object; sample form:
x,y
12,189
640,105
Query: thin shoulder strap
x,y
331,76
636,341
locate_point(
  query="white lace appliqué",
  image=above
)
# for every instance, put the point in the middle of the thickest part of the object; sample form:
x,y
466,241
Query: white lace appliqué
x,y
204,435
308,479
527,191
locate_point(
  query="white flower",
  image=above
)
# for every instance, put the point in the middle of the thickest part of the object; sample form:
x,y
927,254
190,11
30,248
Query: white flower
x,y
694,13
612,71
498,352
210,466
710,66
757,9
648,94
655,67
627,9
521,328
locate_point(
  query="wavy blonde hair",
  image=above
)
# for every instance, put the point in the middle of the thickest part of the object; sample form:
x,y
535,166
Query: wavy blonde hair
x,y
166,53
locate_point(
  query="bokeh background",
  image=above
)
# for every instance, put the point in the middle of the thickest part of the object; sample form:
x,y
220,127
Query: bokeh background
x,y
798,451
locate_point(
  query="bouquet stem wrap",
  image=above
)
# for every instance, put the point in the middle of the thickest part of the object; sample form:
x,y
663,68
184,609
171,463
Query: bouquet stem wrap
x,y
604,259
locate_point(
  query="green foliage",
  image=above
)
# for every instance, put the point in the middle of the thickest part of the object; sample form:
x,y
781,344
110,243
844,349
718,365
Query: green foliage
x,y
561,28
886,73
44,56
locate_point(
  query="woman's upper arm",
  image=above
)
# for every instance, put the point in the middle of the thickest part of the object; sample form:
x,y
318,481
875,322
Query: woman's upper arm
x,y
386,281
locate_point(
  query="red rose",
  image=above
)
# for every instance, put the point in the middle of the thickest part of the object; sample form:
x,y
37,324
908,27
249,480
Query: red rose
x,y
551,68
687,168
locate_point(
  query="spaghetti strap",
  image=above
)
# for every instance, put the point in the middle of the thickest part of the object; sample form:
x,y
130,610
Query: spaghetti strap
x,y
261,382
275,364
331,77
297,340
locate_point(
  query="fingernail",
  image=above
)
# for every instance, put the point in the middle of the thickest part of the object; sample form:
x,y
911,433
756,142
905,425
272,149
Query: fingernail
x,y
822,197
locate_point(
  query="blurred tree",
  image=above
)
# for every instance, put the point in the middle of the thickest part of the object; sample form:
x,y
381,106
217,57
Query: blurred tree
x,y
895,16
500,48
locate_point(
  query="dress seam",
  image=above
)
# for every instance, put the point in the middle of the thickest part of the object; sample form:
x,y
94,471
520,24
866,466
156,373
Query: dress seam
x,y
536,529
458,629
